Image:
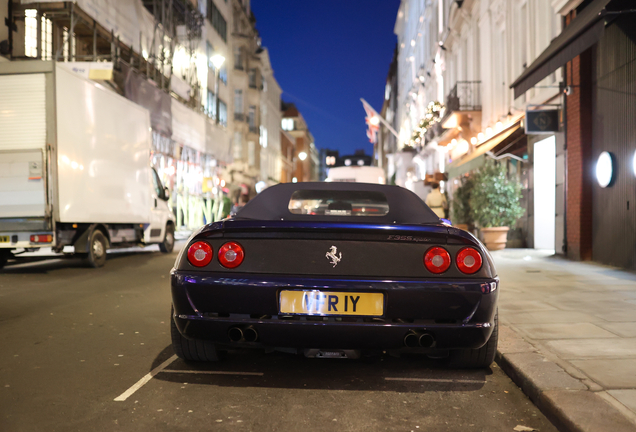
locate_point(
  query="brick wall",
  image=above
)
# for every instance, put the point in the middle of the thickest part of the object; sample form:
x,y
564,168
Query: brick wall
x,y
580,168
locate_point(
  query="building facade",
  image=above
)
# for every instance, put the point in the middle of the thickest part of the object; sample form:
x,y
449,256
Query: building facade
x,y
306,164
270,140
197,66
456,62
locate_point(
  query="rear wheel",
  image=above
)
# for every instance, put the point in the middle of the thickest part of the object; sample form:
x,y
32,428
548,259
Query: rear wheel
x,y
97,246
191,349
480,357
167,245
4,257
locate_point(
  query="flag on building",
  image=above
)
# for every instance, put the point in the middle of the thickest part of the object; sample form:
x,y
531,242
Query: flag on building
x,y
373,122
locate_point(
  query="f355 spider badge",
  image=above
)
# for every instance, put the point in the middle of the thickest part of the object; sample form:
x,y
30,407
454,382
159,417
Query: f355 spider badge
x,y
331,256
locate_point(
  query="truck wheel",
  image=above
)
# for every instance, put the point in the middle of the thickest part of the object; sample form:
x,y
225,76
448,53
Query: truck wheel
x,y
4,257
97,247
191,350
167,245
477,358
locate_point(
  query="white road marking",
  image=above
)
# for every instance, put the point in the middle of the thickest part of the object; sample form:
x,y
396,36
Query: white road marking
x,y
212,372
139,384
439,380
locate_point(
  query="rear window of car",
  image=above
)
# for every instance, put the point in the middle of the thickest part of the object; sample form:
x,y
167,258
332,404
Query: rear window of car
x,y
338,203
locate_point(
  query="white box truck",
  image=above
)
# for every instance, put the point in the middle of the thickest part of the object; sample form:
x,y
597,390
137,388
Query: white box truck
x,y
75,167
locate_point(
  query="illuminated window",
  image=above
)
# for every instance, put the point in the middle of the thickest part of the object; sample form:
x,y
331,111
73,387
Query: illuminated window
x,y
30,33
287,124
238,146
263,137
251,153
47,39
222,113
238,101
217,20
68,41
251,116
210,108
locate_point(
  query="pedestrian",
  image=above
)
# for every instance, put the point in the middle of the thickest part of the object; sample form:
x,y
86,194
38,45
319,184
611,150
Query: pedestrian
x,y
243,199
437,201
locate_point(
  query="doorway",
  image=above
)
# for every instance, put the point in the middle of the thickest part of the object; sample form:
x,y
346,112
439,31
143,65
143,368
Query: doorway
x,y
544,193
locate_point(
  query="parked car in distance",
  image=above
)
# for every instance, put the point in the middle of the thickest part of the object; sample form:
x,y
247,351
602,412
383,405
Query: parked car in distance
x,y
332,270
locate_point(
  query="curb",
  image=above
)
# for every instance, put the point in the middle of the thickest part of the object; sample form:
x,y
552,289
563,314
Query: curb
x,y
564,400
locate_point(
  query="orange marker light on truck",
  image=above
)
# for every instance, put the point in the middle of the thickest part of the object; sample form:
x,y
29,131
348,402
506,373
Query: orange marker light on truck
x,y
41,238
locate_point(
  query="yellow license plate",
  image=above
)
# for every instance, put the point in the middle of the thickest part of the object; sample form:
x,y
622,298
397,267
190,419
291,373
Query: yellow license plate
x,y
331,303
4,239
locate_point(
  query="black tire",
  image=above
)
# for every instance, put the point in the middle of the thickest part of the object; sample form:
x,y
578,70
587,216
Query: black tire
x,y
191,349
4,257
477,358
97,247
167,245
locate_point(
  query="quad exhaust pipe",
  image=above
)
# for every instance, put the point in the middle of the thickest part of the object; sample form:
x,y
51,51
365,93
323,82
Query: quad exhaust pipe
x,y
414,339
248,334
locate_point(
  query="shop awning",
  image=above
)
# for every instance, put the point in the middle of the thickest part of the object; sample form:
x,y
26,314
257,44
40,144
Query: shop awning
x,y
483,148
584,31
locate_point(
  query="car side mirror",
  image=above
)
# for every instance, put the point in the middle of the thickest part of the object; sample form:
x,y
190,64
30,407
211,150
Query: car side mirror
x,y
166,193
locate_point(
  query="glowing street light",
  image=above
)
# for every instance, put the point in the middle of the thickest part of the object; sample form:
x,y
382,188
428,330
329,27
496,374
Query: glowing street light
x,y
217,61
302,156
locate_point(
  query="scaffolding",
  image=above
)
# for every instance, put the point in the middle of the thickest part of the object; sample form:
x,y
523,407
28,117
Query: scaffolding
x,y
76,36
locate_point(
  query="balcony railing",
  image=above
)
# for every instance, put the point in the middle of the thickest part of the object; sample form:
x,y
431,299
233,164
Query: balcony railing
x,y
255,129
239,116
465,96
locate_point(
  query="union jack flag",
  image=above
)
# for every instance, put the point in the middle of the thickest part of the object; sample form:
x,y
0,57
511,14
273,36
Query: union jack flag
x,y
373,127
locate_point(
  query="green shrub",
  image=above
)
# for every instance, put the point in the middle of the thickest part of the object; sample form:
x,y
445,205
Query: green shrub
x,y
461,213
494,201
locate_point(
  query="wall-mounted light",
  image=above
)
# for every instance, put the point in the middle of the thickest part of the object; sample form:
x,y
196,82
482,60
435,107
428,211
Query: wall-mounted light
x,y
605,169
302,156
634,163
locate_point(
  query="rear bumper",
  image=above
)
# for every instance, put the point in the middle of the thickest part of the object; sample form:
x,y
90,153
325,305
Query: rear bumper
x,y
23,239
458,314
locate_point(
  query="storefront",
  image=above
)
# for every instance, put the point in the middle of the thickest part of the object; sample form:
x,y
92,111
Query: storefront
x,y
597,51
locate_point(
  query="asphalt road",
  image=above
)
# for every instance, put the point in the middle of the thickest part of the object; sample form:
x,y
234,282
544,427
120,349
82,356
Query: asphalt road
x,y
86,349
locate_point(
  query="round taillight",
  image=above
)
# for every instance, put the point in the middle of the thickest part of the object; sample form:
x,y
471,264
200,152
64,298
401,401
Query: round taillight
x,y
437,260
231,255
468,260
200,254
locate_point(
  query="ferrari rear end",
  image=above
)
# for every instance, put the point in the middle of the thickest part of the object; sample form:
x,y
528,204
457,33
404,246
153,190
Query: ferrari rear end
x,y
335,287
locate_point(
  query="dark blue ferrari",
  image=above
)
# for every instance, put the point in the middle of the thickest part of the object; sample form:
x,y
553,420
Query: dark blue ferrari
x,y
332,270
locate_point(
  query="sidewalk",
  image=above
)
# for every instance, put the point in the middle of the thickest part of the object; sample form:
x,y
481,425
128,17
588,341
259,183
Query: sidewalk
x,y
568,338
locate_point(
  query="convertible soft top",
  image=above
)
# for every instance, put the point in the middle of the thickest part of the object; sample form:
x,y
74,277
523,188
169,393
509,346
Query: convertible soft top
x,y
337,202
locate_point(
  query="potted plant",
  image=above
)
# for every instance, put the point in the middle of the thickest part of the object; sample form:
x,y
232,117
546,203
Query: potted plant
x,y
494,204
460,207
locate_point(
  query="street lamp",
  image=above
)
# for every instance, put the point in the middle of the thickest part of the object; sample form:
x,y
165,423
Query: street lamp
x,y
302,156
217,61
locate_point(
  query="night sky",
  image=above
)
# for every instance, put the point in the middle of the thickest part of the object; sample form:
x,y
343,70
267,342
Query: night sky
x,y
326,55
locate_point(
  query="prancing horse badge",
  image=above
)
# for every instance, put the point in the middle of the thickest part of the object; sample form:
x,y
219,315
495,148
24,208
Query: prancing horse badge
x,y
331,256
